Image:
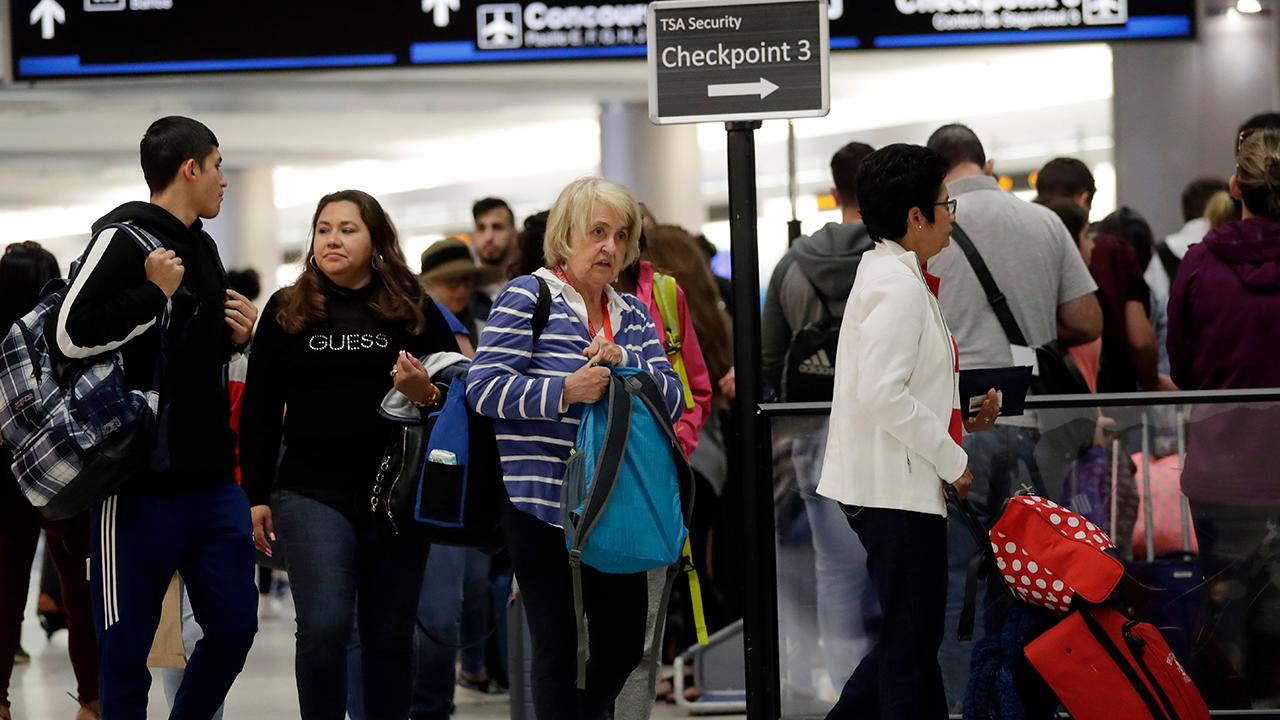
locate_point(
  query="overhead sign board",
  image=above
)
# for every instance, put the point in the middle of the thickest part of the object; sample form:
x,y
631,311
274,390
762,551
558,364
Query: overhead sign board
x,y
719,60
95,38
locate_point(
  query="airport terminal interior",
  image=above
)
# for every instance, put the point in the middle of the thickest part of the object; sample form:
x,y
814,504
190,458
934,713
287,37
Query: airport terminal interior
x,y
1147,95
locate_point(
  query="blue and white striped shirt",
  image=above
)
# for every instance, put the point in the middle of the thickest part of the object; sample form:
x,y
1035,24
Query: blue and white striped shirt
x,y
519,384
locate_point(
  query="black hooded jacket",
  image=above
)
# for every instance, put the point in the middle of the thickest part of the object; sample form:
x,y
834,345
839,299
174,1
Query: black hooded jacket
x,y
111,305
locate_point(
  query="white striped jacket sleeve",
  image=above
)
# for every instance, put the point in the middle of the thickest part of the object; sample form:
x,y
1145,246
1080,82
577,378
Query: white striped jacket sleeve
x,y
498,384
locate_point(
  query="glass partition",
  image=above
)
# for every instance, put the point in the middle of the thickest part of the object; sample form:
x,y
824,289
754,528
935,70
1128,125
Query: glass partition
x,y
1208,576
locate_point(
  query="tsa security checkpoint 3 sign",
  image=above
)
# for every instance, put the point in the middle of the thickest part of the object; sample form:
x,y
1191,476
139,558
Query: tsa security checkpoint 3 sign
x,y
741,60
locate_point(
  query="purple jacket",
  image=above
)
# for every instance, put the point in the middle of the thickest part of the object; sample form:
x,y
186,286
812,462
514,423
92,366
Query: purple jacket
x,y
1224,333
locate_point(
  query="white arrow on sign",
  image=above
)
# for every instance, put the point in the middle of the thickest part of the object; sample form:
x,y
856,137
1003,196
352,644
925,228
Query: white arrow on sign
x,y
764,89
439,10
47,12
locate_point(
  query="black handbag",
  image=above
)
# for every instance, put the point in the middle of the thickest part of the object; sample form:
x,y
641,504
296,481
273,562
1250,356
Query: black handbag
x,y
448,504
1057,373
444,504
395,486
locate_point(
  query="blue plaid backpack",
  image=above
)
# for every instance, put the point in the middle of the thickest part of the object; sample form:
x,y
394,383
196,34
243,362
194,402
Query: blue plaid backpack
x,y
74,429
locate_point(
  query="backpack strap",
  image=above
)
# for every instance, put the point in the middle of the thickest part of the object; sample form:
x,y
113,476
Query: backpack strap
x,y
1168,260
542,310
604,479
999,303
664,292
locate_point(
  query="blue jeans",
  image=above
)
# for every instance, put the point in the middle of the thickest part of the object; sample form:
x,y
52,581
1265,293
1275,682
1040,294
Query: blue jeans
x,y
840,566
456,588
1002,460
334,560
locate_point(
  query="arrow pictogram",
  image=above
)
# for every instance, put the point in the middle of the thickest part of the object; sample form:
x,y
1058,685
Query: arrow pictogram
x,y
47,13
764,89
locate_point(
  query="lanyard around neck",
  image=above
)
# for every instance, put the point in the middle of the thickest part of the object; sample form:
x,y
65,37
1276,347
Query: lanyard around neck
x,y
604,309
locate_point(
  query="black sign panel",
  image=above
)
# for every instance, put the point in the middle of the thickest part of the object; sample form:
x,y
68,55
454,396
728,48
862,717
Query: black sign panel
x,y
750,60
76,38
79,38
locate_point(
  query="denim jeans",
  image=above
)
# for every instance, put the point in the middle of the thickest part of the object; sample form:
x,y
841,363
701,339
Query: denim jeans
x,y
844,595
456,586
340,565
1002,460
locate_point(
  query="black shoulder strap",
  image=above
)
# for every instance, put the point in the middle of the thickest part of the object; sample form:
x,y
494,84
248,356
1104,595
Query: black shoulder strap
x,y
999,303
541,312
1168,260
1122,663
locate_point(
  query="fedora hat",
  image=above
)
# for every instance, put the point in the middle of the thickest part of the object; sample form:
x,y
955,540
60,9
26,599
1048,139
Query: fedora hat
x,y
450,259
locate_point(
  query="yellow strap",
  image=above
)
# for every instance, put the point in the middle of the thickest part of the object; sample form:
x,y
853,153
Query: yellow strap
x,y
695,594
664,291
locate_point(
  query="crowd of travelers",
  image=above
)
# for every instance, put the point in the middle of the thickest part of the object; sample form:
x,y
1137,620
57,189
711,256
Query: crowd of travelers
x,y
271,425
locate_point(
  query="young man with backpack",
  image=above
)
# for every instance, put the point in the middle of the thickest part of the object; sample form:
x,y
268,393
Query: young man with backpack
x,y
801,324
176,323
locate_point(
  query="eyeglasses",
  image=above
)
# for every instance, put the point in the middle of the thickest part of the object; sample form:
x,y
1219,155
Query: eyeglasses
x,y
950,203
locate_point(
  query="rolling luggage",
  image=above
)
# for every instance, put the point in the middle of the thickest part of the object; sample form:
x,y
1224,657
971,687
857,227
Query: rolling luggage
x,y
1169,590
1102,665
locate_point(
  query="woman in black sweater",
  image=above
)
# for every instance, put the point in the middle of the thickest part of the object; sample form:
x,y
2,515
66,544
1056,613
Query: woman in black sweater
x,y
328,349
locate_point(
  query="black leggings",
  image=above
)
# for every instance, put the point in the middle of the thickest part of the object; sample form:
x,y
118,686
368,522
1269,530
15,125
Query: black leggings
x,y
616,607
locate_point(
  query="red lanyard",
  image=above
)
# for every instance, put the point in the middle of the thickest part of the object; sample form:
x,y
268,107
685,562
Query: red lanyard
x,y
604,309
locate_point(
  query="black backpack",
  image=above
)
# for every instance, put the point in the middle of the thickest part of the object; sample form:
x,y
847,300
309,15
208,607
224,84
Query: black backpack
x,y
809,367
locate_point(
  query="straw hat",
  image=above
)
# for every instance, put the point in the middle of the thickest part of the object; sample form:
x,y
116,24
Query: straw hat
x,y
450,259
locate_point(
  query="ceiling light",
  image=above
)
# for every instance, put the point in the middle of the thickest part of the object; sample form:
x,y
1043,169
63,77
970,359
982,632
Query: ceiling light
x,y
1250,7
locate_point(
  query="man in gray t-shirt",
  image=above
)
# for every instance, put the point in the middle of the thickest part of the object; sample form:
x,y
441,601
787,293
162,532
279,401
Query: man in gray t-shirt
x,y
1031,256
1034,260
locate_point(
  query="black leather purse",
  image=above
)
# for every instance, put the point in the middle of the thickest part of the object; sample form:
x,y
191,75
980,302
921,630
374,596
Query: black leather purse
x,y
395,486
448,504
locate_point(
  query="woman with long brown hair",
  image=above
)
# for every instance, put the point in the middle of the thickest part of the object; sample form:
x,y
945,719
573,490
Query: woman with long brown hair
x,y
676,252
328,349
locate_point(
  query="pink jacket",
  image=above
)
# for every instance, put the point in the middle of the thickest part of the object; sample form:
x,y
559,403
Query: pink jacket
x,y
691,422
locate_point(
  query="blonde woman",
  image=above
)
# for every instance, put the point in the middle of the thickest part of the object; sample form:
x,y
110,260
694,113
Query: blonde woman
x,y
535,392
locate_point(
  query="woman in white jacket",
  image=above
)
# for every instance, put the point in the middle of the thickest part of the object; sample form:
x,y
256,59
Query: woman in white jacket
x,y
895,432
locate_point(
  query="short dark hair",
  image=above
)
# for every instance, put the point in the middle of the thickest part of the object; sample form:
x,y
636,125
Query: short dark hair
x,y
25,268
530,240
247,282
1070,212
957,145
487,205
170,142
894,179
1261,121
1131,227
844,170
1065,177
1195,196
